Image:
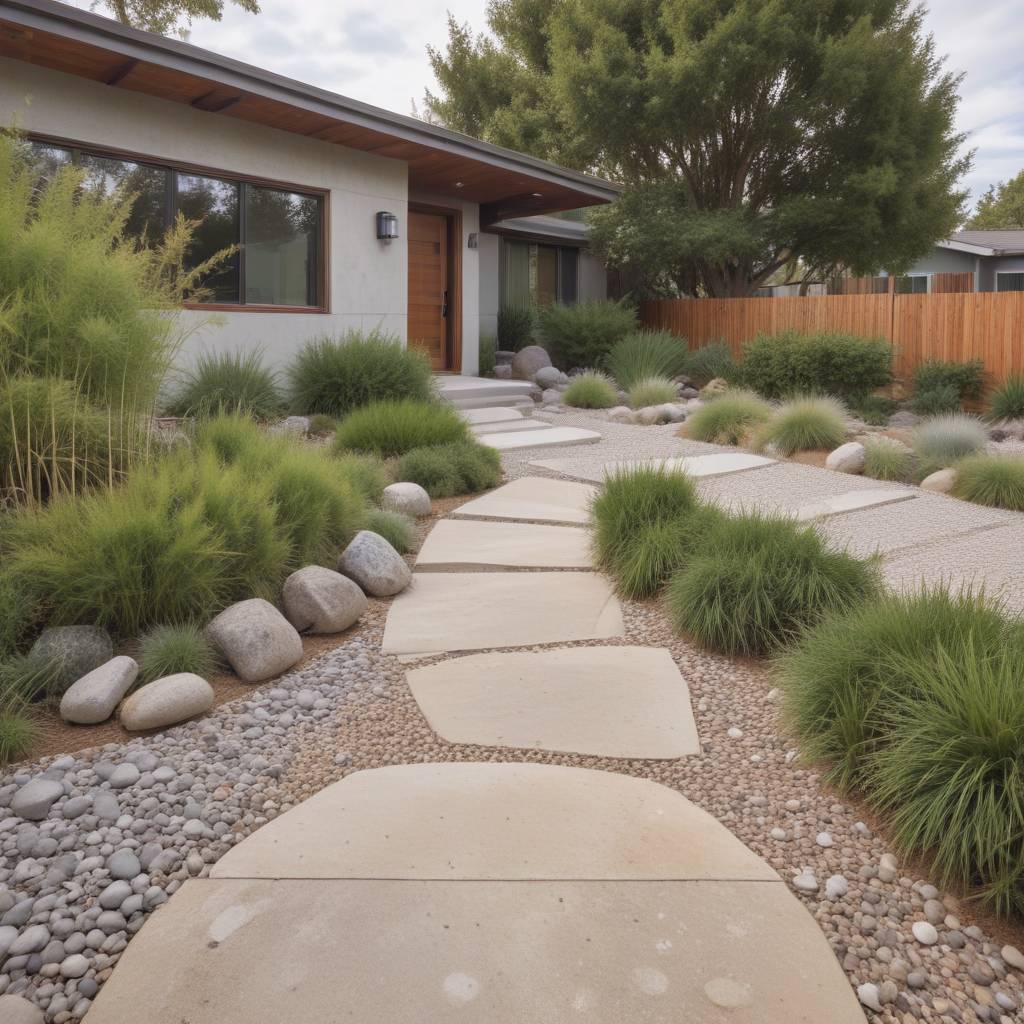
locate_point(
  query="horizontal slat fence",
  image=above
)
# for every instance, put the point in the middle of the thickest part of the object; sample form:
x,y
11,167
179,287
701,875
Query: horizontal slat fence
x,y
954,326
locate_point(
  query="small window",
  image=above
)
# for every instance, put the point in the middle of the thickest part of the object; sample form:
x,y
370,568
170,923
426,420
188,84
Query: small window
x,y
1010,282
538,275
915,284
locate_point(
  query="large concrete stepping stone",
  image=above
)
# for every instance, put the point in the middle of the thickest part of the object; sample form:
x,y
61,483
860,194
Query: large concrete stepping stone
x,y
481,610
483,429
851,501
697,466
494,821
554,437
533,498
477,417
604,701
465,543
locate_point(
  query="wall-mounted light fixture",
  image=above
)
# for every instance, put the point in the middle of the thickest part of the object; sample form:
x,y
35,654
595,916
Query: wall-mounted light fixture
x,y
387,226
473,241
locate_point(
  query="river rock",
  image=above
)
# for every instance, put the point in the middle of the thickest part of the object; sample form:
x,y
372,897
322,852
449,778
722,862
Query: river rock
x,y
257,640
375,565
319,600
34,800
165,702
942,481
75,650
847,458
527,361
408,498
93,698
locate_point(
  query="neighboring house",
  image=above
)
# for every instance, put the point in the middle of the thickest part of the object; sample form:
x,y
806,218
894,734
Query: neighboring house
x,y
345,215
978,261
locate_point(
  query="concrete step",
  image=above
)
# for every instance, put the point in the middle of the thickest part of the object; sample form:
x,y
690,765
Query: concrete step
x,y
509,427
554,437
526,404
481,392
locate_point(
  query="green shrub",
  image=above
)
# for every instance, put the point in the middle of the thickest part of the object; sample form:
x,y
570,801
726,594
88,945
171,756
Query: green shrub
x,y
759,582
227,382
488,355
590,390
966,379
996,480
516,326
167,649
27,679
652,391
463,467
885,459
729,418
233,438
805,424
1007,401
583,334
398,530
708,362
17,614
397,426
367,474
942,398
19,732
644,354
333,376
844,365
941,441
874,410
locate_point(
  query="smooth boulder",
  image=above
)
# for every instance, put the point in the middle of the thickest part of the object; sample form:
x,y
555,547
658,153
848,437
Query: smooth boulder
x,y
93,698
166,701
408,498
548,376
256,639
375,565
940,482
75,650
527,361
319,600
847,458
34,800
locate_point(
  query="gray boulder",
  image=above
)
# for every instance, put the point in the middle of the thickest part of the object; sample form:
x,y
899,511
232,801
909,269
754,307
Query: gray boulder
x,y
942,481
318,600
76,650
408,498
34,800
16,1010
847,458
551,396
93,697
504,357
165,702
548,376
527,361
503,371
256,639
375,565
621,414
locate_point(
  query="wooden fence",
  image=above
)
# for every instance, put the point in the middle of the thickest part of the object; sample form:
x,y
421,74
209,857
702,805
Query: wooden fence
x,y
954,326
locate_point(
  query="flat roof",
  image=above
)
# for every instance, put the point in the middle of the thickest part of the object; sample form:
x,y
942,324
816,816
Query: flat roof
x,y
506,183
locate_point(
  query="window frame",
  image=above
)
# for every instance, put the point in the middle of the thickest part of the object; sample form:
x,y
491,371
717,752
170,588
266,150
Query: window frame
x,y
914,277
1008,273
539,243
323,277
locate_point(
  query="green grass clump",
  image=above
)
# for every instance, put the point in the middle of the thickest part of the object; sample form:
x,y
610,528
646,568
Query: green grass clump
x,y
167,649
394,427
1007,401
644,354
398,530
941,441
367,473
874,410
30,679
590,390
488,357
19,731
729,418
758,582
943,398
228,382
996,480
885,459
464,467
805,424
709,362
652,391
333,376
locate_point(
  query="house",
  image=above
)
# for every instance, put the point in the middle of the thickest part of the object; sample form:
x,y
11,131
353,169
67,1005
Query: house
x,y
344,215
970,261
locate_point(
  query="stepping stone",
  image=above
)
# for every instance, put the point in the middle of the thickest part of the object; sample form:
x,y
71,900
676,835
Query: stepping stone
x,y
506,414
603,701
485,429
697,466
464,543
241,950
851,501
477,611
555,437
475,821
533,498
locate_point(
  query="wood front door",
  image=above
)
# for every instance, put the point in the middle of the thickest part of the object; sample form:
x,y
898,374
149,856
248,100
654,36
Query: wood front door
x,y
429,287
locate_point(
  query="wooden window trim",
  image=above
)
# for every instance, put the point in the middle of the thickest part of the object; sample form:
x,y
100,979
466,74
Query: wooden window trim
x,y
455,243
187,167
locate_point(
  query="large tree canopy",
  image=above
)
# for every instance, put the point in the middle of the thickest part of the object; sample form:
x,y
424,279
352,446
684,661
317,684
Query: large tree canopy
x,y
1001,207
166,16
749,133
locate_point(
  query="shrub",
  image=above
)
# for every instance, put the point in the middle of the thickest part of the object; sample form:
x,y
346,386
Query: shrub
x,y
965,379
941,441
166,649
885,459
488,355
233,438
1007,401
935,401
644,354
590,390
321,425
336,375
398,530
228,382
27,679
710,361
805,424
583,334
759,582
652,391
729,418
843,365
367,474
874,410
463,467
516,325
19,731
996,480
397,426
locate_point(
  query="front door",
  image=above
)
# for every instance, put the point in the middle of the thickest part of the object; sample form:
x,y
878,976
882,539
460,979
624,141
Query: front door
x,y
428,287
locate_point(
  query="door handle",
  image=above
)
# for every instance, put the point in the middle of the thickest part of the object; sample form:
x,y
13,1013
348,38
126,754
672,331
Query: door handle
x,y
444,303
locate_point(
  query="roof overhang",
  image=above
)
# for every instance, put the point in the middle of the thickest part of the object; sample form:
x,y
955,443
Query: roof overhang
x,y
978,250
505,183
555,230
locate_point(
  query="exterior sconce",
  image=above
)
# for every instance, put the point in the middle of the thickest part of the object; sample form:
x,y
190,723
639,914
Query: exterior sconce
x,y
473,241
387,226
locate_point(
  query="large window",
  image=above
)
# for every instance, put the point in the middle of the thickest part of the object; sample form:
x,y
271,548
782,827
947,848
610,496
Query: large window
x,y
278,234
538,275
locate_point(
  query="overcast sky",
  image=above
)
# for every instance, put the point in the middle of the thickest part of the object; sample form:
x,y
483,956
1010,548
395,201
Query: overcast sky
x,y
376,52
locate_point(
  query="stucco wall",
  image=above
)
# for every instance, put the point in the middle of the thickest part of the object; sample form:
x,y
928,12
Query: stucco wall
x,y
944,261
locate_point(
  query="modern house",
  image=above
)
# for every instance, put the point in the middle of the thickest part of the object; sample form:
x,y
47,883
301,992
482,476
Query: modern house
x,y
971,261
344,215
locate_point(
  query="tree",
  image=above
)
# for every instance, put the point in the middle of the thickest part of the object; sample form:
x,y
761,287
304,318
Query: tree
x,y
166,16
1001,207
749,133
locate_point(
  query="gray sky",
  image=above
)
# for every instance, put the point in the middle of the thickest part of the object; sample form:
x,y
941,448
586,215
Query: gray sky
x,y
376,52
